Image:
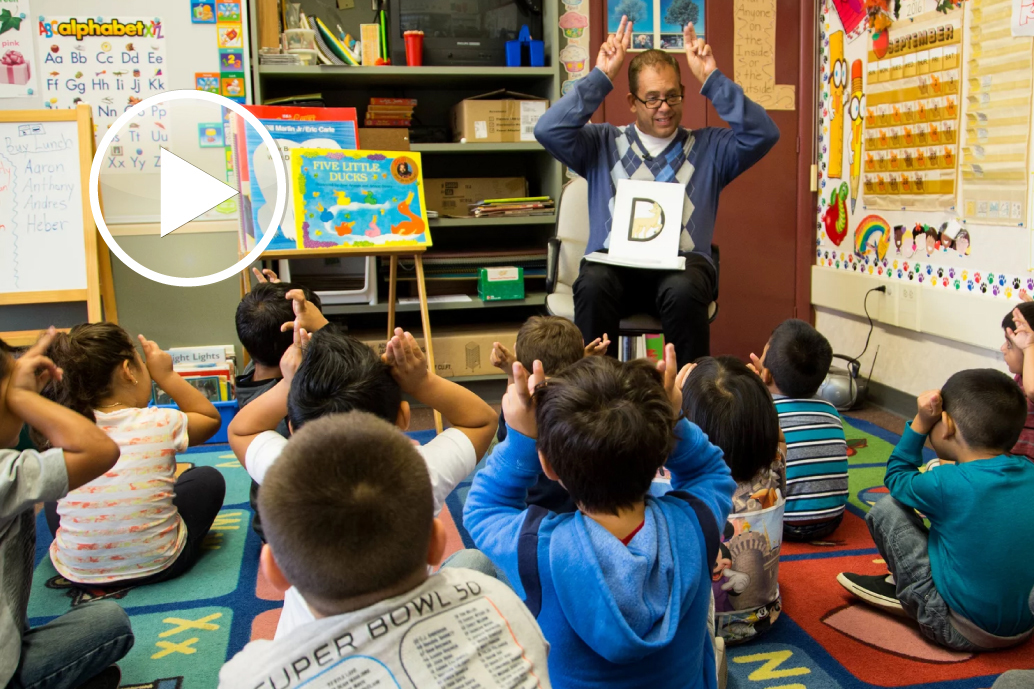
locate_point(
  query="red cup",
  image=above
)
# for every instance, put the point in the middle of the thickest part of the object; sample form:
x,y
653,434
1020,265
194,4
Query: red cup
x,y
414,49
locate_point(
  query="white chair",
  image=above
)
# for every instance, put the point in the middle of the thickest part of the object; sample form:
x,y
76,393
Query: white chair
x,y
565,252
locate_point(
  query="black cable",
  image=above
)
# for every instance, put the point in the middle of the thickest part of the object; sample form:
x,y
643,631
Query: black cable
x,y
865,306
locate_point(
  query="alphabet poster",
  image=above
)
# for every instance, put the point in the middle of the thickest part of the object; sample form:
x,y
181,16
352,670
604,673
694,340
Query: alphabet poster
x,y
112,63
647,223
17,68
358,199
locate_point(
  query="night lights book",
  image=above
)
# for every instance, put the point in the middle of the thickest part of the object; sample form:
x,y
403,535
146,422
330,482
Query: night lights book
x,y
358,199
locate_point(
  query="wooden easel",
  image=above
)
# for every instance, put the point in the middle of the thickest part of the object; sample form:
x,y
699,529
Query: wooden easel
x,y
393,253
99,294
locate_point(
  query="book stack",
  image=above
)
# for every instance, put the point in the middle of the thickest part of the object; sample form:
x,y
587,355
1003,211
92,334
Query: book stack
x,y
212,370
649,346
390,112
522,206
331,49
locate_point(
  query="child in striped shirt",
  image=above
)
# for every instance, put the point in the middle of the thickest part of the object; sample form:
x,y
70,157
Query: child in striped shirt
x,y
793,366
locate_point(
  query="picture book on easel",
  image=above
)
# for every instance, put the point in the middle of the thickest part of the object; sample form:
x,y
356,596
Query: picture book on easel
x,y
358,199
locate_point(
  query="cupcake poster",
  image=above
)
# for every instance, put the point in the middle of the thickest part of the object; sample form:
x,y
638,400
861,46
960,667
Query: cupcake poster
x,y
657,23
17,71
574,56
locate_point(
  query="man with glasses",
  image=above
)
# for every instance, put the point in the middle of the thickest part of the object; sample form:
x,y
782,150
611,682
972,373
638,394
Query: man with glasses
x,y
654,148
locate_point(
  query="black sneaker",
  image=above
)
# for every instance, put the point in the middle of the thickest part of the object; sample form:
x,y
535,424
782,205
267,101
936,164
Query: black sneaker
x,y
878,591
108,678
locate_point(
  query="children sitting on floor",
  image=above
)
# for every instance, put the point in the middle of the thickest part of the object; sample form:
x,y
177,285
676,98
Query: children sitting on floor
x,y
260,319
557,343
82,644
793,366
733,408
353,532
967,580
338,373
138,523
621,588
1018,350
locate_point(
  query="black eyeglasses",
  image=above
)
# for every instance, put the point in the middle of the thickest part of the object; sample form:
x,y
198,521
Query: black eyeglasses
x,y
654,103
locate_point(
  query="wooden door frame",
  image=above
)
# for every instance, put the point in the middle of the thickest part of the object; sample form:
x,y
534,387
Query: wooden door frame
x,y
806,137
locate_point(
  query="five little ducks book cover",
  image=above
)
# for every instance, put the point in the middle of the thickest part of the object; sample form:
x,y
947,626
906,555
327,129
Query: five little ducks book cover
x,y
358,199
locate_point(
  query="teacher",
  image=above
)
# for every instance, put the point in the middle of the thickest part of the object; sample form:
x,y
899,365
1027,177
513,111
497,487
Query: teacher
x,y
654,148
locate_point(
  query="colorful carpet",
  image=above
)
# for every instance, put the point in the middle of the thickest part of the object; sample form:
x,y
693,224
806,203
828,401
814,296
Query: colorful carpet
x,y
185,629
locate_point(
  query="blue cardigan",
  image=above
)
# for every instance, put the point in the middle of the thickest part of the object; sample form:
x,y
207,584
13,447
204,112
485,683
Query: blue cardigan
x,y
718,155
614,615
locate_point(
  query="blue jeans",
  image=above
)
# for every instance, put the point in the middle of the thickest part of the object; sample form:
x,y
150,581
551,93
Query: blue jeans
x,y
474,559
75,647
901,537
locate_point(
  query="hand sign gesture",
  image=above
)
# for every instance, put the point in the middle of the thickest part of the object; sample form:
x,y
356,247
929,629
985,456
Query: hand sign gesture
x,y
612,52
698,54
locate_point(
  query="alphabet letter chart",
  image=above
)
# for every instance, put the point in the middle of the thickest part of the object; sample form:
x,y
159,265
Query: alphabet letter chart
x,y
112,63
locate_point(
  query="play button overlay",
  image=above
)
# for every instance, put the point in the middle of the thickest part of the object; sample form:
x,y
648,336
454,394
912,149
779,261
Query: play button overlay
x,y
187,192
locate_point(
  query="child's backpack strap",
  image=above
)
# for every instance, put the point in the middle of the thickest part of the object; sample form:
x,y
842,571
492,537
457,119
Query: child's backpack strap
x,y
528,558
708,524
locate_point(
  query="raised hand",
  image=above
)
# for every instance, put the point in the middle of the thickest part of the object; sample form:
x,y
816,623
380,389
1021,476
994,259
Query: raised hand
x,y
929,406
501,357
306,315
598,347
265,275
1022,336
698,54
34,369
612,52
294,354
519,401
159,363
408,363
669,368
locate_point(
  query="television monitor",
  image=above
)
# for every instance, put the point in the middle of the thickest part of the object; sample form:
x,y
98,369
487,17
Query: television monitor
x,y
462,32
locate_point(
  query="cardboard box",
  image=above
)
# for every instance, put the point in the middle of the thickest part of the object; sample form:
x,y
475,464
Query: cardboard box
x,y
458,352
497,284
384,139
452,197
498,117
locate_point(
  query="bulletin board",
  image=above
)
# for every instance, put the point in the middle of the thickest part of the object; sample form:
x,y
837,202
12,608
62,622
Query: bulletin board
x,y
924,130
140,49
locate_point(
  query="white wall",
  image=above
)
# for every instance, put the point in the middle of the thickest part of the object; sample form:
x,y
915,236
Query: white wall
x,y
909,361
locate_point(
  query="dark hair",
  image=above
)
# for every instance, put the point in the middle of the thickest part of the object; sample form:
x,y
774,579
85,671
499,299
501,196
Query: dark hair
x,y
89,354
650,58
339,374
260,315
987,406
348,508
606,427
1026,309
734,408
798,358
555,341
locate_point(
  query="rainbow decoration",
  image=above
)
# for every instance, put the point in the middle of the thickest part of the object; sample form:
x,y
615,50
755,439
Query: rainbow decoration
x,y
872,232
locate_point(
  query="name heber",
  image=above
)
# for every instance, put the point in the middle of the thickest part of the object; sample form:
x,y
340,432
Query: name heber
x,y
349,643
922,39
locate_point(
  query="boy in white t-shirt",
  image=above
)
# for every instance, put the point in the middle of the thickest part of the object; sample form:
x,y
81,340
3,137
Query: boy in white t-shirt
x,y
354,532
338,373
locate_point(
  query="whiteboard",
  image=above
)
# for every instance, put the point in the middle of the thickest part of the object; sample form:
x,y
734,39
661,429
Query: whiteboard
x,y
188,49
41,208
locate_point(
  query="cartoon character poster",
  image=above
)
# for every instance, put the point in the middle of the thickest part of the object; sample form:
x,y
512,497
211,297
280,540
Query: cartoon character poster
x,y
745,579
358,199
17,73
837,86
112,63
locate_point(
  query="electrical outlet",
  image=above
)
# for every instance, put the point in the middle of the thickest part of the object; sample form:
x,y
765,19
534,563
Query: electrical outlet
x,y
345,4
908,293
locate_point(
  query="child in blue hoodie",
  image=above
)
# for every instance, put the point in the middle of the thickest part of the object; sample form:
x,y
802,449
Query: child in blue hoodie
x,y
622,587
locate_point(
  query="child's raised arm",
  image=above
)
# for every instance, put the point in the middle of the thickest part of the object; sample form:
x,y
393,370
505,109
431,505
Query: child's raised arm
x,y
1023,337
203,418
88,450
266,411
465,411
504,359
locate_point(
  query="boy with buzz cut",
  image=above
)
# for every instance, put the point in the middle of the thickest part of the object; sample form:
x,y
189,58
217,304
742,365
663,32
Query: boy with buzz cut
x,y
338,373
354,532
622,587
968,579
557,343
793,366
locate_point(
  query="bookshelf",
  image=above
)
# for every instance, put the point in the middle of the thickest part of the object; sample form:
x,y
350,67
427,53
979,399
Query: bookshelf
x,y
437,89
